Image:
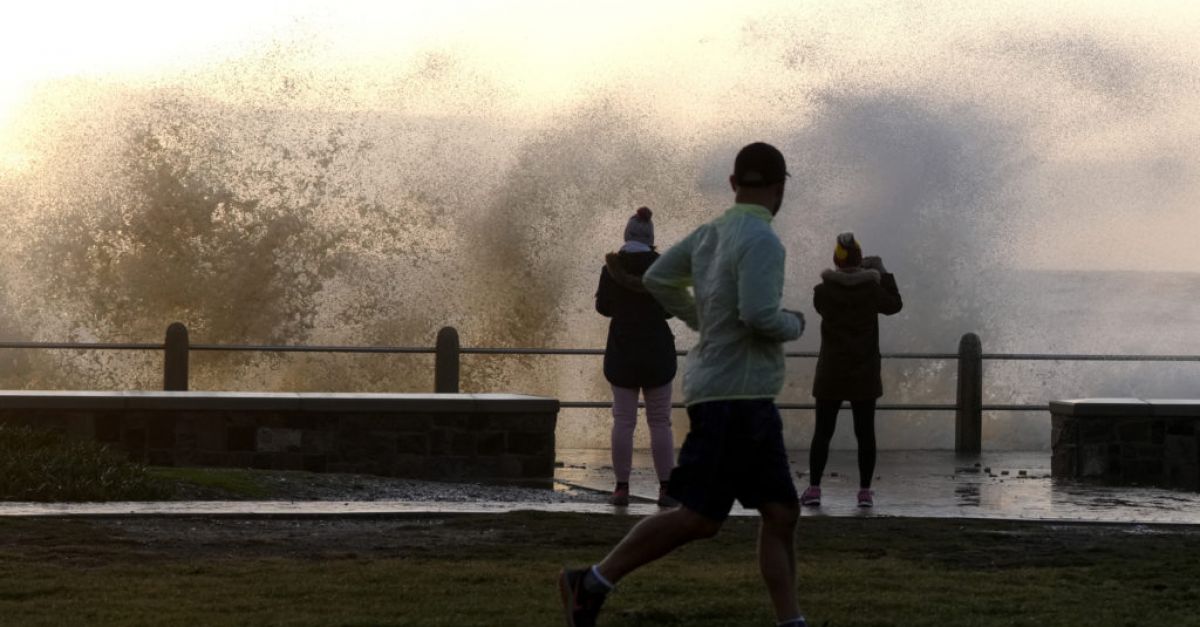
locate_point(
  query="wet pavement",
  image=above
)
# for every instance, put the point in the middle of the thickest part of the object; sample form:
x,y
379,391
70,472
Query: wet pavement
x,y
938,484
933,484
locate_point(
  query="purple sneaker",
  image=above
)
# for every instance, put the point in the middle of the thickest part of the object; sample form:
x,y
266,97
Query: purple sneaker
x,y
866,498
811,496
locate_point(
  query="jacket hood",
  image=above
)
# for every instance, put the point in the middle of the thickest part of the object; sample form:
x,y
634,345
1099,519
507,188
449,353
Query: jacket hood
x,y
851,278
623,277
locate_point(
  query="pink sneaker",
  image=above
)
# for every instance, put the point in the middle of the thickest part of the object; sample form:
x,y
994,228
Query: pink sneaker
x,y
620,497
811,496
866,498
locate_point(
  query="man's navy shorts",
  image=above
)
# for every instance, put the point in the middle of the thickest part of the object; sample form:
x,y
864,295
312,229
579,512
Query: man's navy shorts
x,y
733,451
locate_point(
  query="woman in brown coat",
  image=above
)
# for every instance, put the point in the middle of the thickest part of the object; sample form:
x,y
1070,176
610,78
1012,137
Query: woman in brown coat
x,y
849,299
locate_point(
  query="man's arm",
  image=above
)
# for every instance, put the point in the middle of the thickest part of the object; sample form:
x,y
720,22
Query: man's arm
x,y
669,278
760,282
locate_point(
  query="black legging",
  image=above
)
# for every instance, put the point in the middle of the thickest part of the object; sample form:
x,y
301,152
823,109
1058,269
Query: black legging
x,y
864,430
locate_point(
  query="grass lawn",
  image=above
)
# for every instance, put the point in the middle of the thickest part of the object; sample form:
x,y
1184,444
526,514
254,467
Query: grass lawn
x,y
215,482
499,570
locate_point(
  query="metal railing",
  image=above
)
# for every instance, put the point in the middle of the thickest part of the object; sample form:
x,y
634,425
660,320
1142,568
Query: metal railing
x,y
447,352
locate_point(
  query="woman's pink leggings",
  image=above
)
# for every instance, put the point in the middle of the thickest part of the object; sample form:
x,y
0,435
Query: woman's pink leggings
x,y
658,416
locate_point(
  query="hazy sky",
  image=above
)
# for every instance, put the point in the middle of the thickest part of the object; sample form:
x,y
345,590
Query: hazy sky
x,y
537,52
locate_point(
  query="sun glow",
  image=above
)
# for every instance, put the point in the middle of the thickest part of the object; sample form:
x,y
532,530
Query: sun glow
x,y
530,56
134,41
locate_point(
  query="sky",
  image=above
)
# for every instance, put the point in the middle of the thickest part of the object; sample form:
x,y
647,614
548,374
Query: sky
x,y
693,67
539,53
540,50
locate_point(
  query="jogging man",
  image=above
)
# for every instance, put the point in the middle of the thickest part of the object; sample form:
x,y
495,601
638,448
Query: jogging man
x,y
734,449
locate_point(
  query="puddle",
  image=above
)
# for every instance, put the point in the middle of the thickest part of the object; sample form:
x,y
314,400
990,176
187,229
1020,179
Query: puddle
x,y
939,484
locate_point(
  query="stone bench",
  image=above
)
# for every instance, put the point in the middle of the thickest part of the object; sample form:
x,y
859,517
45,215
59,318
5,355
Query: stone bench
x,y
491,437
1127,441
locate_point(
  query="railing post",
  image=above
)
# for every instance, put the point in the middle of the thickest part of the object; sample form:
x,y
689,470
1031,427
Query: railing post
x,y
175,358
968,423
445,365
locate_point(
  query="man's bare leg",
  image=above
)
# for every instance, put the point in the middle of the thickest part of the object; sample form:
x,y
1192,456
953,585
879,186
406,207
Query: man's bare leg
x,y
777,557
654,537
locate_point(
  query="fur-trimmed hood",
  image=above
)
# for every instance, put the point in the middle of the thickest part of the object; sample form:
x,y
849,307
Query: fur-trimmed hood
x,y
850,302
851,277
623,277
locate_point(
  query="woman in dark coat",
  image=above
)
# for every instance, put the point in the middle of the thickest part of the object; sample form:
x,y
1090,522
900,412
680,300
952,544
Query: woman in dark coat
x,y
639,356
849,299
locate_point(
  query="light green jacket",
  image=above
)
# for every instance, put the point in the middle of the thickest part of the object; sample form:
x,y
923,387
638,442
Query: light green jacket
x,y
734,266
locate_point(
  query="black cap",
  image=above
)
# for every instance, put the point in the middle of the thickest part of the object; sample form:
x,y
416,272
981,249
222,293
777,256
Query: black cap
x,y
759,165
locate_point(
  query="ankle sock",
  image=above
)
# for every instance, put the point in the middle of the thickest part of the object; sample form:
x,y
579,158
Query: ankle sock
x,y
595,583
622,485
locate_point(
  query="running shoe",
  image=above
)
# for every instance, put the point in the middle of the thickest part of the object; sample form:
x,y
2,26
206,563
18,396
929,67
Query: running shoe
x,y
811,496
620,497
580,607
866,498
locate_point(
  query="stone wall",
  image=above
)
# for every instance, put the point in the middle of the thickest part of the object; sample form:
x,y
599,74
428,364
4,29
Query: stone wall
x,y
492,437
1127,441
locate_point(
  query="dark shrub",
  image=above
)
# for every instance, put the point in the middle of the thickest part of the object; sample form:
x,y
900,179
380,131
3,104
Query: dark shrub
x,y
43,465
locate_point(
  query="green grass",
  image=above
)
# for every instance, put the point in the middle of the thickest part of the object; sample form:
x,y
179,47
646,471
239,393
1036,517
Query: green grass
x,y
214,482
499,570
43,465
